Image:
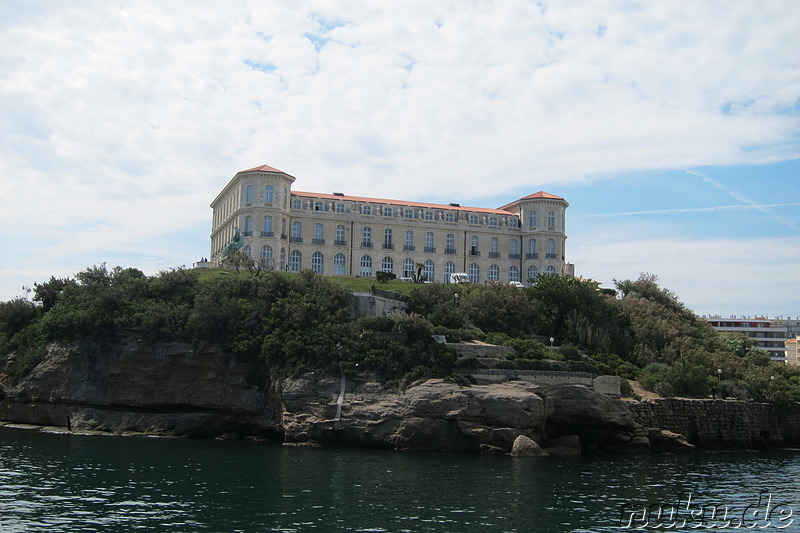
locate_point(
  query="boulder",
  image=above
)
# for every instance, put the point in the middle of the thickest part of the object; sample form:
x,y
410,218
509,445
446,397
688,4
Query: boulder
x,y
526,447
663,441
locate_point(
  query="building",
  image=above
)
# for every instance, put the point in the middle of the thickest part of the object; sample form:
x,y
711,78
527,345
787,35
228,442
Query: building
x,y
792,353
769,334
339,234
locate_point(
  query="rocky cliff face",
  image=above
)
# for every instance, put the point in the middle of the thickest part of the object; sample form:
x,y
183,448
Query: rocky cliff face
x,y
174,389
167,389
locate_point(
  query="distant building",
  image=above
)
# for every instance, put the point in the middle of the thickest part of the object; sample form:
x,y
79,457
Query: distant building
x,y
343,235
769,334
792,355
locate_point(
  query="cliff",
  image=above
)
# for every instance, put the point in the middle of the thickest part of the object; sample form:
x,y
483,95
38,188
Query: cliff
x,y
178,390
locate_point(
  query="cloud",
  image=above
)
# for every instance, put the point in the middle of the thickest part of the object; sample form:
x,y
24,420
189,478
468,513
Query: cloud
x,y
711,276
120,123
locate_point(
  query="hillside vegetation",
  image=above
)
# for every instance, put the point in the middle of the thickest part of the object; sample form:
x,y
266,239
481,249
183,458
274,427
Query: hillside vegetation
x,y
301,322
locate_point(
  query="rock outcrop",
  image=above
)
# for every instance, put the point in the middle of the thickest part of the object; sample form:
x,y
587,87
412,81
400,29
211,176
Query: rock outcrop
x,y
180,390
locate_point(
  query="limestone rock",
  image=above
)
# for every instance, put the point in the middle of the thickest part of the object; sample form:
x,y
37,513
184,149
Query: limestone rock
x,y
566,445
526,447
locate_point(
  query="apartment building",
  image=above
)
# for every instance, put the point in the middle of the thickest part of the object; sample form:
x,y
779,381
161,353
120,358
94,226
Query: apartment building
x,y
344,235
769,334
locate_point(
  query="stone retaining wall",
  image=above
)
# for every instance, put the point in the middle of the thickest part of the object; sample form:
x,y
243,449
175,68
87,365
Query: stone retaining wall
x,y
722,424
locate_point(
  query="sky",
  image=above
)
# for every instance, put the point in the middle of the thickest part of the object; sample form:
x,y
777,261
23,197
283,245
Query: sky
x,y
671,128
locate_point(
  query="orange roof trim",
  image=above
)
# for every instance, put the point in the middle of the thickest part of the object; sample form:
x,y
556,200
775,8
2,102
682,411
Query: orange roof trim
x,y
263,168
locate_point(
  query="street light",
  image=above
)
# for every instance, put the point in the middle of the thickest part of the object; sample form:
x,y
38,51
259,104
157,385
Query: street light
x,y
719,375
455,299
551,341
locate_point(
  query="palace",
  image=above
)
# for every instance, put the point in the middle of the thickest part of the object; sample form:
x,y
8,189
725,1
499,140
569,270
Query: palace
x,y
339,234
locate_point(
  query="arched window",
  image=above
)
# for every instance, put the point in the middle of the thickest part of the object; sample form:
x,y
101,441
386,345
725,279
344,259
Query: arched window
x,y
551,270
338,264
248,251
387,265
295,261
408,267
494,273
513,273
283,258
430,270
317,263
266,256
449,268
532,273
474,273
366,266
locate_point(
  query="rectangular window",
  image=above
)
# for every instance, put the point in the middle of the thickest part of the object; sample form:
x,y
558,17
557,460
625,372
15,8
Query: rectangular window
x,y
387,240
340,208
409,244
366,242
366,210
268,194
318,232
551,219
266,229
429,243
297,232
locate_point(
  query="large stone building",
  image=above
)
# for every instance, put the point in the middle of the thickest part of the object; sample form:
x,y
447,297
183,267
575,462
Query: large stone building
x,y
769,334
338,234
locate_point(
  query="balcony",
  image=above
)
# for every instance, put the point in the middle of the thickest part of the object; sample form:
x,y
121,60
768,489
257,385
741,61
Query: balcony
x,y
532,256
514,256
494,254
295,239
430,250
340,242
267,234
366,244
247,233
388,246
318,241
409,248
551,256
449,250
475,252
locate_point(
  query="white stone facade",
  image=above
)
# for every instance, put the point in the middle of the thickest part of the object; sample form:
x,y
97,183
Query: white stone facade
x,y
338,234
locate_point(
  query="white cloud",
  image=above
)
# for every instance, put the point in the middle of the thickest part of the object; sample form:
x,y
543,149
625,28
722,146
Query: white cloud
x,y
119,124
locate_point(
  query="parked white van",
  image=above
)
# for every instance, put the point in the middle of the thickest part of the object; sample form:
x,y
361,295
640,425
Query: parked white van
x,y
459,278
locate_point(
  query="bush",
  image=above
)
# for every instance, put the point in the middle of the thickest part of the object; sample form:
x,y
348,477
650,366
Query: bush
x,y
384,277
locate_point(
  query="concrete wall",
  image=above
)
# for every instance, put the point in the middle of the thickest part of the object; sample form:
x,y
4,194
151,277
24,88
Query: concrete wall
x,y
722,424
365,304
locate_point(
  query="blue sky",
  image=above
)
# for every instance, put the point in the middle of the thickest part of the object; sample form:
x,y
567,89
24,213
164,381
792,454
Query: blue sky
x,y
672,130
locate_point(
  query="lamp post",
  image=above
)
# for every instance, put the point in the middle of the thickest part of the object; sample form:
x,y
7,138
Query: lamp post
x,y
455,299
719,375
551,341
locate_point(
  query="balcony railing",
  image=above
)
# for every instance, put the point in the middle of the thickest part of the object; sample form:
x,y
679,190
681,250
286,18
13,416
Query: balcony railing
x,y
475,252
267,234
318,241
388,246
295,239
430,249
366,244
247,233
551,256
514,256
449,250
494,254
532,256
409,248
340,242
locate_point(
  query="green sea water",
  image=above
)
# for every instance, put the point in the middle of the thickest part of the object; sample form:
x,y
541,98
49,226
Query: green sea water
x,y
55,482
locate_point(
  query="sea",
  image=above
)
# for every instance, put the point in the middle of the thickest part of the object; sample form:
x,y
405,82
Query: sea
x,y
69,482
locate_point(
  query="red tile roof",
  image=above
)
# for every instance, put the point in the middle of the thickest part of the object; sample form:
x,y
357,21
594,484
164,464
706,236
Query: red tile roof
x,y
263,168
